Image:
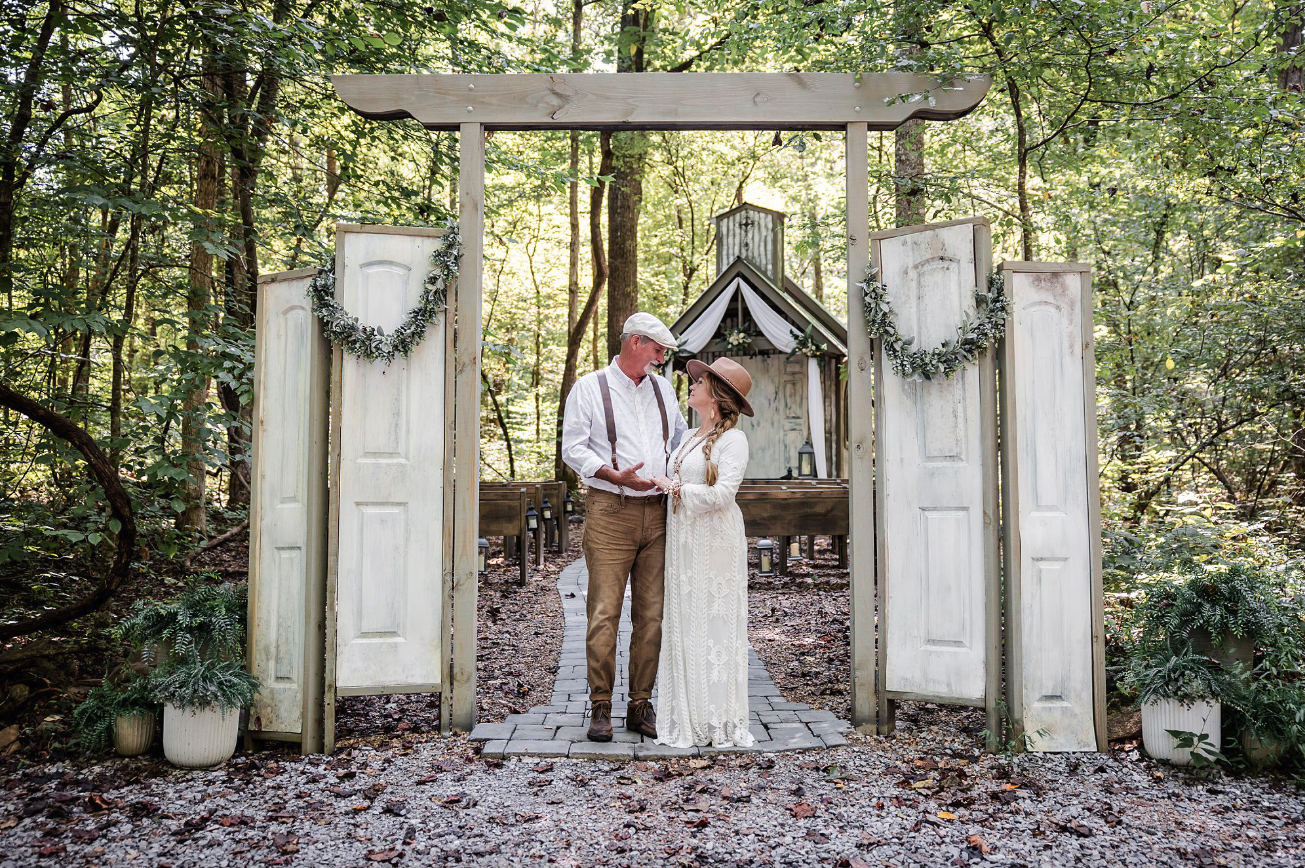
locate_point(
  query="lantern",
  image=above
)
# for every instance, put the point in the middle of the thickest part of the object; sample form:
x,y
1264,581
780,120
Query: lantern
x,y
547,510
568,505
807,461
765,557
482,554
795,548
532,519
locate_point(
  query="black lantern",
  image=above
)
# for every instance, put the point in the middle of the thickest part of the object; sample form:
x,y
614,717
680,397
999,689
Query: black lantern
x,y
807,461
532,518
568,505
795,548
765,557
547,510
482,554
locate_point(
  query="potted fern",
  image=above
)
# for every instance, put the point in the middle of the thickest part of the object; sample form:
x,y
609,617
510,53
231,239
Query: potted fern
x,y
122,715
202,700
195,641
1180,693
1273,721
1225,610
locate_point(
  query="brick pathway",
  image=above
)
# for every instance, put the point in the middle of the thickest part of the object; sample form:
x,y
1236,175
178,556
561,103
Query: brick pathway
x,y
559,729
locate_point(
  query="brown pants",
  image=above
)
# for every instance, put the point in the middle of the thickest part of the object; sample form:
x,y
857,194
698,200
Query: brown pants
x,y
625,538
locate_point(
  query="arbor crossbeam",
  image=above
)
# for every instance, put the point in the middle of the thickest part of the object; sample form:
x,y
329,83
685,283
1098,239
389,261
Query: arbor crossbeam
x,y
667,101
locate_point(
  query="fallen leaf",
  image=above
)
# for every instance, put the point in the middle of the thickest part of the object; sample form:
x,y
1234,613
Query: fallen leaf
x,y
946,815
383,855
8,822
977,842
8,735
543,767
802,811
700,823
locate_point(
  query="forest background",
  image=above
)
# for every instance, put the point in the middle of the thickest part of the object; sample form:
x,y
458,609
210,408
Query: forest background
x,y
157,157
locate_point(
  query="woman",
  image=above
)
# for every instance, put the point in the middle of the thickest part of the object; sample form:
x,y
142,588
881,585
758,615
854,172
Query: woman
x,y
703,671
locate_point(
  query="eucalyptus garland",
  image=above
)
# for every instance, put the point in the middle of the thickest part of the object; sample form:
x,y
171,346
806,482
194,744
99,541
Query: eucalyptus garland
x,y
974,335
371,342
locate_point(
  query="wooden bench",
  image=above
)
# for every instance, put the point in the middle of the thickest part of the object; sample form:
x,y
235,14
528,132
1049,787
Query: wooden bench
x,y
784,508
503,513
553,532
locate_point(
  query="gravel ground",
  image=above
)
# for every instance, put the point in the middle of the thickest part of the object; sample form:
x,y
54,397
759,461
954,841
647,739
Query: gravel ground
x,y
397,793
924,798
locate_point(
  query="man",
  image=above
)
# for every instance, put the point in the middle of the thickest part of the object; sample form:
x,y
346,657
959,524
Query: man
x,y
618,429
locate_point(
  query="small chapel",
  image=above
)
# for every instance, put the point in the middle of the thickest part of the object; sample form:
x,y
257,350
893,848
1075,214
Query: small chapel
x,y
793,347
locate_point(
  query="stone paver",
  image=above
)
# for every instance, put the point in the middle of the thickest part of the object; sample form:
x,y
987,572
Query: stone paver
x,y
559,728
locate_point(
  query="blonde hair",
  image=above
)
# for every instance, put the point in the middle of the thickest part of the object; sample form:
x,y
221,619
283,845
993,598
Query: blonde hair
x,y
727,401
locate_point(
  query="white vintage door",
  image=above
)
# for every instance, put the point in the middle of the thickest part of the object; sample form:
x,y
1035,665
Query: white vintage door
x,y
391,431
287,571
1052,574
936,476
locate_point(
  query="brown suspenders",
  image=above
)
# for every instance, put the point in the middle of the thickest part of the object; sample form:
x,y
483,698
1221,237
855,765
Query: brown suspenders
x,y
610,416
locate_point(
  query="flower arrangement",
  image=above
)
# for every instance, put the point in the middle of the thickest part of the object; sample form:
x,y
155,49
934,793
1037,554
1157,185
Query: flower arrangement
x,y
807,345
737,338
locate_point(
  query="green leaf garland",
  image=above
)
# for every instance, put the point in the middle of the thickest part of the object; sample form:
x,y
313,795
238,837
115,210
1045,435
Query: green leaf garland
x,y
371,342
974,335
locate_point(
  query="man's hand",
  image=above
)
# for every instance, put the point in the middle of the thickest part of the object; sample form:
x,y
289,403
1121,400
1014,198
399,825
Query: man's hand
x,y
626,478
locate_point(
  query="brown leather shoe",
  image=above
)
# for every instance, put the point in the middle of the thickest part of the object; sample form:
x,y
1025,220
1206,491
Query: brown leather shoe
x,y
600,726
640,718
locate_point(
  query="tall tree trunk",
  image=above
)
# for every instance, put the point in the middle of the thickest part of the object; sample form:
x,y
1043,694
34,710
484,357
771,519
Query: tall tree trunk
x,y
1292,76
251,128
576,334
908,141
11,156
908,173
199,294
629,157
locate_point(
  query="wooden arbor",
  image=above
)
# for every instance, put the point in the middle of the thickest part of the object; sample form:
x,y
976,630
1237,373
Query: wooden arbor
x,y
474,104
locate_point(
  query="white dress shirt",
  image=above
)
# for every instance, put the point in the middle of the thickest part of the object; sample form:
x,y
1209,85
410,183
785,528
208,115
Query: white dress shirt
x,y
585,447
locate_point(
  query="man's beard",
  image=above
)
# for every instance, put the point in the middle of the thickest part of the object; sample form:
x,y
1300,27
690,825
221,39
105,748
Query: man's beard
x,y
650,368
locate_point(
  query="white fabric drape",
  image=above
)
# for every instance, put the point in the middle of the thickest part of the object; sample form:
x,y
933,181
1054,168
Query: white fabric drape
x,y
779,332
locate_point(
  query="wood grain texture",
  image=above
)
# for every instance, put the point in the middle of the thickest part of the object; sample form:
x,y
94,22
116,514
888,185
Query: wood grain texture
x,y
866,674
739,100
287,553
466,421
932,474
389,581
1052,571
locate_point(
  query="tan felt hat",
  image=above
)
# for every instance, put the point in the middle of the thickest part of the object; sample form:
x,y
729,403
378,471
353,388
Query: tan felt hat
x,y
730,372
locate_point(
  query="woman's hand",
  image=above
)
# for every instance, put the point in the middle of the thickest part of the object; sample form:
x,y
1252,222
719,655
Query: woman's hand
x,y
662,482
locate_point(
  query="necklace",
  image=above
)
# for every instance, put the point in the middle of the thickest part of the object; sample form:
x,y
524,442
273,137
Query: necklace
x,y
683,452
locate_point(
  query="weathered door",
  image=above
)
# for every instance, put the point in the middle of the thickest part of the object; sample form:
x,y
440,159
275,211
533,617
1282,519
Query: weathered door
x,y
287,547
388,581
936,478
1055,659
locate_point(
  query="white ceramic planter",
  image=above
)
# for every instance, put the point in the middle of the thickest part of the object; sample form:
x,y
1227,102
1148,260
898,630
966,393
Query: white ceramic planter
x,y
133,733
199,739
1162,715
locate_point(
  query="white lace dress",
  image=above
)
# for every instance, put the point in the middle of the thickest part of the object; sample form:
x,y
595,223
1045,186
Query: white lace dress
x,y
703,670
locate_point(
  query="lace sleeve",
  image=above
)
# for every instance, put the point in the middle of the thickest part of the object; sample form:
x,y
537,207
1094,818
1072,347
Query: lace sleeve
x,y
731,457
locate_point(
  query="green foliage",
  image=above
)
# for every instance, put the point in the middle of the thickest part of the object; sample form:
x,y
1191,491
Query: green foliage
x,y
371,342
201,683
974,335
205,621
1235,598
93,718
1184,675
1273,711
